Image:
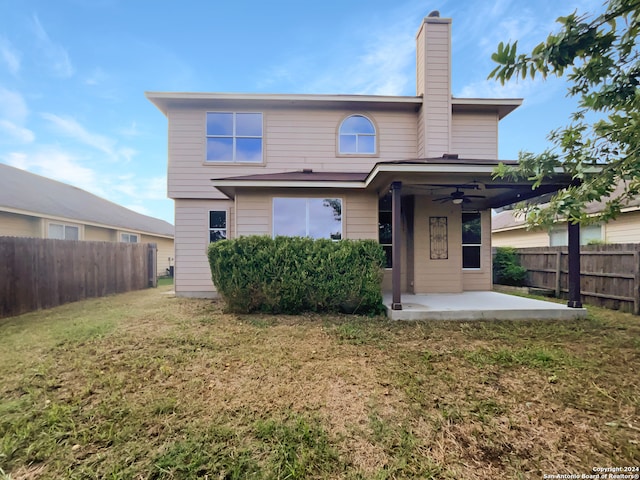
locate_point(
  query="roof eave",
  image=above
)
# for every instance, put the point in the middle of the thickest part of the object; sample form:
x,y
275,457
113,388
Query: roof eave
x,y
229,187
165,100
502,106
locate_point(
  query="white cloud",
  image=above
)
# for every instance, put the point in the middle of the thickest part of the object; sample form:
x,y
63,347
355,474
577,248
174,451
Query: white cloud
x,y
126,153
13,115
385,67
130,131
16,132
96,78
154,188
536,91
55,54
71,128
9,56
12,106
139,208
52,162
383,70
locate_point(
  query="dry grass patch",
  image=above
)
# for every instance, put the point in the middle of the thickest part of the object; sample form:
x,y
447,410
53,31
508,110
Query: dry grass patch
x,y
142,385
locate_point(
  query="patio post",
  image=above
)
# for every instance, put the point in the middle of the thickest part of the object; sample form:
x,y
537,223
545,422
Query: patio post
x,y
396,252
574,265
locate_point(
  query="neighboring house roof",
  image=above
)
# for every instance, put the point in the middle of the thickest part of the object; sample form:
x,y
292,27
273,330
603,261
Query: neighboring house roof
x,y
31,194
514,219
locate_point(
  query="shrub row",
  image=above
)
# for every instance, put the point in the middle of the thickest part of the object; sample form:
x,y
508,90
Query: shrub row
x,y
293,274
507,269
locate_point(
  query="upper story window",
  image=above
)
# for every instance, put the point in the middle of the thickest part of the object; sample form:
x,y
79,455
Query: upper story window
x,y
357,136
234,137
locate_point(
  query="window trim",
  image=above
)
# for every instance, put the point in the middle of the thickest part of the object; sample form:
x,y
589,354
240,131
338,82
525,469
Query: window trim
x,y
305,197
379,223
206,161
226,222
561,231
479,245
376,137
129,234
64,226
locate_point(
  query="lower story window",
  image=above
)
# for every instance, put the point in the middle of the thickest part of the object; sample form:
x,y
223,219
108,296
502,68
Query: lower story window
x,y
385,228
64,232
471,239
217,225
307,217
129,237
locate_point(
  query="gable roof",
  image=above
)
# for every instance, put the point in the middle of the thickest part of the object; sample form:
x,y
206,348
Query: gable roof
x,y
167,100
28,193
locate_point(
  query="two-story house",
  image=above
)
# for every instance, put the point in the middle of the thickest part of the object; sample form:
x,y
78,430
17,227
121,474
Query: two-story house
x,y
412,172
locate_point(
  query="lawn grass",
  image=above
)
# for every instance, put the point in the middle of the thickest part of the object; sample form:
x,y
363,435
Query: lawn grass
x,y
143,385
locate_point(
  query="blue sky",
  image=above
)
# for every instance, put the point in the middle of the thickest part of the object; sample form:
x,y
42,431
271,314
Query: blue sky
x,y
73,72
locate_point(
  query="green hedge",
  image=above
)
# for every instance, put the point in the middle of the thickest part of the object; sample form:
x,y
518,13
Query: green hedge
x,y
507,269
294,274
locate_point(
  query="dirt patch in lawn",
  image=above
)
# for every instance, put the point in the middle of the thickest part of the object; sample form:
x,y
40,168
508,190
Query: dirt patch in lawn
x,y
143,385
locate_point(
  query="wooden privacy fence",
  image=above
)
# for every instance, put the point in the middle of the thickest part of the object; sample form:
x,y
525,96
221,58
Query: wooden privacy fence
x,y
40,273
609,274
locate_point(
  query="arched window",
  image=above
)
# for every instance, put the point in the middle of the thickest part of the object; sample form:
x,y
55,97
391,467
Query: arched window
x,y
357,136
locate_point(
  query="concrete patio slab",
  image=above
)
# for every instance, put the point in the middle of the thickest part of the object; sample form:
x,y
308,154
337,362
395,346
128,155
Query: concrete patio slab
x,y
478,306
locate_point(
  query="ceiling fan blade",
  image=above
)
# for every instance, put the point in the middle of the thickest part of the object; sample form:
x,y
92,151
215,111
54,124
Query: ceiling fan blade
x,y
442,198
475,196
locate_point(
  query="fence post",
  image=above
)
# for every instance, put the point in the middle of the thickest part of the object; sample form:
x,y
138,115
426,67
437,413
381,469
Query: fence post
x,y
152,262
636,283
558,273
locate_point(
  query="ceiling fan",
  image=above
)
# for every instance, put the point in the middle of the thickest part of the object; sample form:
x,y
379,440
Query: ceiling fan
x,y
457,197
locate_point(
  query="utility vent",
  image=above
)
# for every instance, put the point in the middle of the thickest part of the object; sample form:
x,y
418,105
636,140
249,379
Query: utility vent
x,y
453,156
307,170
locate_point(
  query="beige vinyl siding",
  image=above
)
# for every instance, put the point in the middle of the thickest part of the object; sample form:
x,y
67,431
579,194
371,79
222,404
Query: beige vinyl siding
x,y
475,135
421,136
624,229
482,279
361,216
192,274
293,139
520,238
99,234
253,214
15,225
437,276
434,75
